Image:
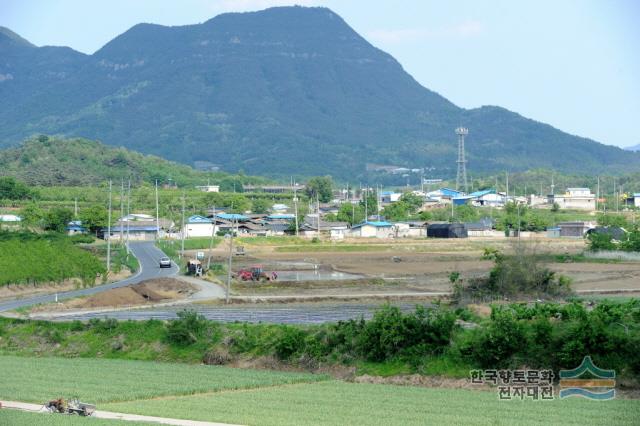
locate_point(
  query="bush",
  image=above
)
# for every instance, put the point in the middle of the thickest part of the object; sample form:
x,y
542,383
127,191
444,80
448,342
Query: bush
x,y
187,329
390,332
290,341
495,345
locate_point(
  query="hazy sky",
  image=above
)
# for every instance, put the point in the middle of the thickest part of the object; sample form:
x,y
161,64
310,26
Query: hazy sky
x,y
572,64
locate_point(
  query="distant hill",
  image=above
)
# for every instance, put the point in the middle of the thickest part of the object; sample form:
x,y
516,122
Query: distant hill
x,y
634,148
78,162
284,91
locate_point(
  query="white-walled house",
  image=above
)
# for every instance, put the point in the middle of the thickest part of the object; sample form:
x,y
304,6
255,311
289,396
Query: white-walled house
x,y
373,229
575,198
198,226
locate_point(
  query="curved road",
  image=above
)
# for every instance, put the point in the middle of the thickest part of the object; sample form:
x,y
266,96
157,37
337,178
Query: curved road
x,y
145,251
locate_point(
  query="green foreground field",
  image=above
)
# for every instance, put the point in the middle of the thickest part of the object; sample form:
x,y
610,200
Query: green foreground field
x,y
251,397
108,380
15,417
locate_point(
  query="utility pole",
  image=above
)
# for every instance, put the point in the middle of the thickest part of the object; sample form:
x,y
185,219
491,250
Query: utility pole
x,y
75,207
366,207
182,229
121,207
318,211
378,199
295,206
507,182
598,193
228,289
108,233
157,213
213,232
128,214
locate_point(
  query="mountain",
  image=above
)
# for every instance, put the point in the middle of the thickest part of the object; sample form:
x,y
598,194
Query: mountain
x,y
284,91
634,148
81,162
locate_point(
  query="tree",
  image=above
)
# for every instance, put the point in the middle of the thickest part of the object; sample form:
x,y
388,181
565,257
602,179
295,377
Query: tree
x,y
352,213
320,186
94,217
57,219
370,202
12,189
413,201
396,211
260,205
32,215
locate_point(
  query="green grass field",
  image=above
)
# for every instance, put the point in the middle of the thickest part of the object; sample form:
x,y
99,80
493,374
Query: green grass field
x,y
332,403
102,380
15,417
220,394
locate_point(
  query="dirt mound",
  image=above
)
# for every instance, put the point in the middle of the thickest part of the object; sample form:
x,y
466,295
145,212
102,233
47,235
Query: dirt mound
x,y
147,292
150,291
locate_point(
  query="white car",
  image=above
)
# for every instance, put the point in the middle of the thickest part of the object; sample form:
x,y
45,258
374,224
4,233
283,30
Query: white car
x,y
165,262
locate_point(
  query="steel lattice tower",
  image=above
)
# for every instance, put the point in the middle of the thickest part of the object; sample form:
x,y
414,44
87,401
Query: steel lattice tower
x,y
461,176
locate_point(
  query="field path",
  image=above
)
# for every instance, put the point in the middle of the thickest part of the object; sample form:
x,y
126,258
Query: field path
x,y
16,405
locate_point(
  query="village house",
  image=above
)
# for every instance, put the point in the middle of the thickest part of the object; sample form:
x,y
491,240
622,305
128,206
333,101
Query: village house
x,y
198,226
574,198
208,188
75,227
139,227
373,229
575,229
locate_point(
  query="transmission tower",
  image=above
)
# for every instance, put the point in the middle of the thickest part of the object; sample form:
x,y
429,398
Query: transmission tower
x,y
461,176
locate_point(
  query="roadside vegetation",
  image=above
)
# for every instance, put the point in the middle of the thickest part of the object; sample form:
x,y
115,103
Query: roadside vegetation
x,y
426,341
27,258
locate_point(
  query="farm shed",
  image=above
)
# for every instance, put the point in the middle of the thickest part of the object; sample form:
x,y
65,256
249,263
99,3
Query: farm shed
x,y
447,230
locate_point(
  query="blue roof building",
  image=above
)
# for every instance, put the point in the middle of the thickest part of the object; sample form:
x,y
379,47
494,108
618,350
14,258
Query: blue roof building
x,y
375,228
232,216
281,216
199,219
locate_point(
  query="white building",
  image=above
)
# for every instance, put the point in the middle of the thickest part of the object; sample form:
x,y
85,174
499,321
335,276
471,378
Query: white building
x,y
373,229
10,218
575,198
209,188
198,226
390,197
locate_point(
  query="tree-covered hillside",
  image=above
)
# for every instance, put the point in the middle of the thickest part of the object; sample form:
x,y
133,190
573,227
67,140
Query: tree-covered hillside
x,y
284,91
48,161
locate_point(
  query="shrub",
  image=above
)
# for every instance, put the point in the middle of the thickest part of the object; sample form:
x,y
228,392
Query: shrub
x,y
290,341
187,329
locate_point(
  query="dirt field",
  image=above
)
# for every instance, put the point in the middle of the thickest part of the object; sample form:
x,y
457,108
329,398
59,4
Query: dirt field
x,y
413,265
147,292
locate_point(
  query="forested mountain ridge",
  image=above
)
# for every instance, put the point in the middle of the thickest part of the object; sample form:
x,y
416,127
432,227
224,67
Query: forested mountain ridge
x,y
288,90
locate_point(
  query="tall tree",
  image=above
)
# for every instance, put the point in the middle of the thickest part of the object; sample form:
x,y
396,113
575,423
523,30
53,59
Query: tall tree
x,y
320,186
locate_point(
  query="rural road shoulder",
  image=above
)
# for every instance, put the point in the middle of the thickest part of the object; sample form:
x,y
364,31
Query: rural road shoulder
x,y
145,251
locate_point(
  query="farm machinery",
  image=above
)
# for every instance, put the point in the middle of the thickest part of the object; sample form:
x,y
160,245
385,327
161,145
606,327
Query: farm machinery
x,y
256,273
73,406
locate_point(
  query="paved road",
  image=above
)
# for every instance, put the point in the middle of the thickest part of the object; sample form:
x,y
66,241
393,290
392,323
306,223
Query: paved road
x,y
284,314
146,253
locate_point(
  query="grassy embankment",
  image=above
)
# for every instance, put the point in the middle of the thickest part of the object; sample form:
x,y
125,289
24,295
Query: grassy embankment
x,y
219,394
425,341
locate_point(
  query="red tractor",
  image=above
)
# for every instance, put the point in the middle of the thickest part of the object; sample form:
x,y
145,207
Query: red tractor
x,y
255,273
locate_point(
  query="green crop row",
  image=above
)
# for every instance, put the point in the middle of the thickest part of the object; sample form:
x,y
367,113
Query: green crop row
x,y
36,259
102,380
339,403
